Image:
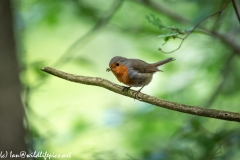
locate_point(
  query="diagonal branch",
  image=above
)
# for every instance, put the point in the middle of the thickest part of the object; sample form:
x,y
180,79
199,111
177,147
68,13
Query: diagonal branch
x,y
226,39
99,24
236,10
194,27
194,110
104,20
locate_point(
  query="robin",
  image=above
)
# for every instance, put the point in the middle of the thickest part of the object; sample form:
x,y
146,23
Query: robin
x,y
134,72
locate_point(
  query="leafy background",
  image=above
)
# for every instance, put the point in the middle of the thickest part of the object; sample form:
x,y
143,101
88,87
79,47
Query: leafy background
x,y
81,36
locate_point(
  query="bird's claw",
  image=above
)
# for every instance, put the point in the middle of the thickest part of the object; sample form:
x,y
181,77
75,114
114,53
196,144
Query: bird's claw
x,y
136,96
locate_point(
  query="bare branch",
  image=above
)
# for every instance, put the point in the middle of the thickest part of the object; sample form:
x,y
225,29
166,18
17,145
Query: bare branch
x,y
236,10
194,110
163,10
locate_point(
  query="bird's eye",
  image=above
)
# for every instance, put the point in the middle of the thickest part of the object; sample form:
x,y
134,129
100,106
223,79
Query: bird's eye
x,y
117,64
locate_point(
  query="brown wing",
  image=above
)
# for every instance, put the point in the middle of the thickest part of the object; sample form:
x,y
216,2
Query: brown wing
x,y
142,67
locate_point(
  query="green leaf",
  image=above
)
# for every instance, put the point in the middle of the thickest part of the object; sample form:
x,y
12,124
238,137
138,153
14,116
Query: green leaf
x,y
156,21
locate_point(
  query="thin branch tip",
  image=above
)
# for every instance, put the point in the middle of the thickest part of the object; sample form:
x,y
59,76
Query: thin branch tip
x,y
45,69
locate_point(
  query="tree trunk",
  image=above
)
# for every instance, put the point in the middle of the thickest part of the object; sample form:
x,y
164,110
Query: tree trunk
x,y
11,109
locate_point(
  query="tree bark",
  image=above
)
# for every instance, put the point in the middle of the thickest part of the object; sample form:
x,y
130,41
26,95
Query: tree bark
x,y
11,108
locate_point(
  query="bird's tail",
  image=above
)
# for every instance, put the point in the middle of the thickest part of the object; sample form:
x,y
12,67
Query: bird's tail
x,y
163,62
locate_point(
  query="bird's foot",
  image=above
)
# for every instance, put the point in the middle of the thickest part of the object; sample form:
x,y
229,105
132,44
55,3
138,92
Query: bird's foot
x,y
136,95
126,88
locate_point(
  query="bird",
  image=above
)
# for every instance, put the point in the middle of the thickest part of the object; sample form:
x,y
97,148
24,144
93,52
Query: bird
x,y
134,72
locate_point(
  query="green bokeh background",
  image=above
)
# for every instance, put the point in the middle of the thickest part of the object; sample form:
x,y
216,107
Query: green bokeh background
x,y
94,123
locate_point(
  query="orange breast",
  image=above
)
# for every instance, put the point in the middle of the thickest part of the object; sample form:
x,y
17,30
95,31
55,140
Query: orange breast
x,y
121,73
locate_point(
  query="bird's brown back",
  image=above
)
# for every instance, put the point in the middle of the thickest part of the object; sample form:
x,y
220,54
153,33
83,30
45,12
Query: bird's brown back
x,y
141,66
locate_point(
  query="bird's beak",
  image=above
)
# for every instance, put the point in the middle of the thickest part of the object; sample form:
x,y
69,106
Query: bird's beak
x,y
108,69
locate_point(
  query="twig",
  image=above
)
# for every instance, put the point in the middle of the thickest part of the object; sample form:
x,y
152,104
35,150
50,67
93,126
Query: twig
x,y
194,110
183,39
225,39
163,10
236,10
212,155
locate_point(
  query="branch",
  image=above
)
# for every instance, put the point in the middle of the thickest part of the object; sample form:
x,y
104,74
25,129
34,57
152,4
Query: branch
x,y
194,110
87,36
236,10
175,16
190,32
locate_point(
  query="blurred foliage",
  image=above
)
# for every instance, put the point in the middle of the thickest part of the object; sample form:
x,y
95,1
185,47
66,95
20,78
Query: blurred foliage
x,y
171,32
94,124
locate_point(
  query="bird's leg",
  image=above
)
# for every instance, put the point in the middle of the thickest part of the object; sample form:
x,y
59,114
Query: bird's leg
x,y
136,94
126,88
